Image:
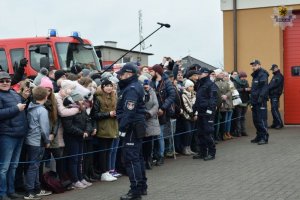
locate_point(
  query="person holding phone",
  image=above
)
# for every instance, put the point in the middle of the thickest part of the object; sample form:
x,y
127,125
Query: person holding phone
x,y
13,129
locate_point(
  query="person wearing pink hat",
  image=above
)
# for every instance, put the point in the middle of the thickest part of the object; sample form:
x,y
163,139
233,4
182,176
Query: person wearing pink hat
x,y
51,106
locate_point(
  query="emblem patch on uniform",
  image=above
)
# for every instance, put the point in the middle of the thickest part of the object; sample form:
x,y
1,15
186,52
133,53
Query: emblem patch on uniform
x,y
130,105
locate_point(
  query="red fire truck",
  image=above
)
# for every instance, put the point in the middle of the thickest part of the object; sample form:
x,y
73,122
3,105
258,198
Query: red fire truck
x,y
51,52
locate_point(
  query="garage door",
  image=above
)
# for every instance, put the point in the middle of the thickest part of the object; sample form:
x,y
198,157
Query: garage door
x,y
292,72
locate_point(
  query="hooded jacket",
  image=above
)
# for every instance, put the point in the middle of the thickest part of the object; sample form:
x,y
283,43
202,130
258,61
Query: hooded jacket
x,y
12,122
188,99
152,123
166,95
39,125
107,126
240,85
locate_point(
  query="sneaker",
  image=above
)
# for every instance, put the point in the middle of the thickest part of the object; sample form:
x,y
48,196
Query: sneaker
x,y
79,185
115,174
107,177
191,152
86,183
32,196
43,193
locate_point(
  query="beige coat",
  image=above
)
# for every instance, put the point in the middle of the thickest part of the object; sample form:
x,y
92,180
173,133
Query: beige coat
x,y
188,99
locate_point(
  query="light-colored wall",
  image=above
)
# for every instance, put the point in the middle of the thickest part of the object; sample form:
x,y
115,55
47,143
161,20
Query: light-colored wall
x,y
112,55
246,4
258,38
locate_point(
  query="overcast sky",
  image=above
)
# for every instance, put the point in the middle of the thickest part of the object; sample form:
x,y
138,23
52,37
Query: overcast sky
x,y
196,26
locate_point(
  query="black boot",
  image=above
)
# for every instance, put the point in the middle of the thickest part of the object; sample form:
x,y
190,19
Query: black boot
x,y
264,139
199,156
160,161
130,196
261,142
255,140
209,157
148,163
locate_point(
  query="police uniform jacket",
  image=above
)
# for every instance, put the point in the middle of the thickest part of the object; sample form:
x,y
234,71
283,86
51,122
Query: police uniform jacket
x,y
206,97
259,89
276,84
131,107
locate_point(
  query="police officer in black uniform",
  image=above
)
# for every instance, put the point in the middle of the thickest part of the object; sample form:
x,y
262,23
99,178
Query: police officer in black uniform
x,y
275,91
206,102
259,98
131,117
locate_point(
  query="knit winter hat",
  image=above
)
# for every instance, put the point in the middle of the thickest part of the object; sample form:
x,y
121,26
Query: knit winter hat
x,y
76,69
144,79
191,73
58,74
105,82
157,68
188,83
44,71
85,72
67,84
46,83
218,71
76,96
242,74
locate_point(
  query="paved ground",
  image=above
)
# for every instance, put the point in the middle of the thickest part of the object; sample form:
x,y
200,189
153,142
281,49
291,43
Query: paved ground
x,y
241,171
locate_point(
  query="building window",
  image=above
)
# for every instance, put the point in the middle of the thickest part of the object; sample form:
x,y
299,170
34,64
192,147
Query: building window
x,y
295,71
3,60
126,59
16,55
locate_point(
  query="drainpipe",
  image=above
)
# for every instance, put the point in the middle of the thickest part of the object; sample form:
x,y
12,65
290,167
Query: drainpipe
x,y
235,35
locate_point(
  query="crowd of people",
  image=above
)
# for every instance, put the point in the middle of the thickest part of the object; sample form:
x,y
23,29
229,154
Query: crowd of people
x,y
73,117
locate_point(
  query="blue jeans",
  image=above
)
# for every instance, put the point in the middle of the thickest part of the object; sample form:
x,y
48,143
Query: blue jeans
x,y
162,141
113,154
227,120
35,155
10,149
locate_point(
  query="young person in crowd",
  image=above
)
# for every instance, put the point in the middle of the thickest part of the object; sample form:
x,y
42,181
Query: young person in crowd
x,y
104,113
36,141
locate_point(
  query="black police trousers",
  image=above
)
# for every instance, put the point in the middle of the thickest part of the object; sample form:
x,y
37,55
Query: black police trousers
x,y
134,162
277,121
260,117
205,125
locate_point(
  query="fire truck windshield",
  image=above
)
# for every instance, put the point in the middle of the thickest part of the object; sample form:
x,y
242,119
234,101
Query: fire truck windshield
x,y
70,54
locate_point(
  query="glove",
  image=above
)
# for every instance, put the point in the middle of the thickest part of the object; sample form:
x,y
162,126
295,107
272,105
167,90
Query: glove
x,y
122,134
23,62
209,112
147,116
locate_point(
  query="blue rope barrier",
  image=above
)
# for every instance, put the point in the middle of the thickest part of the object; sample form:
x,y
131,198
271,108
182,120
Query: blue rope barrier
x,y
92,152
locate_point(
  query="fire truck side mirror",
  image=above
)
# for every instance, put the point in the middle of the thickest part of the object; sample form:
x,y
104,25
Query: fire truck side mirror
x,y
44,50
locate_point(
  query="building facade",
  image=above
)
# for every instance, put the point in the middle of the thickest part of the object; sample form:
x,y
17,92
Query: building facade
x,y
109,53
251,33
